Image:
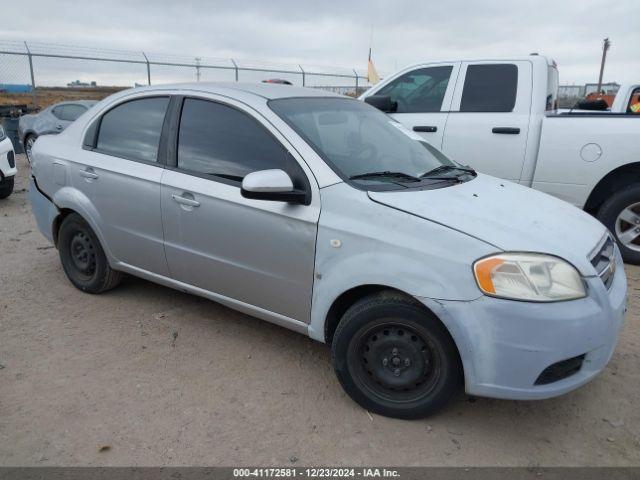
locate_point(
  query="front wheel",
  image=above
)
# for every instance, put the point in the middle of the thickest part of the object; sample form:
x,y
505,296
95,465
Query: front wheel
x,y
621,215
83,258
394,358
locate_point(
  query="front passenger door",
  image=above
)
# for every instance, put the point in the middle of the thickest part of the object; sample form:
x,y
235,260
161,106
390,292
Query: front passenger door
x,y
255,251
423,96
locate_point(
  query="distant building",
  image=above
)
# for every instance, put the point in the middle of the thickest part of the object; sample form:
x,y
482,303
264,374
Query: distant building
x,y
79,84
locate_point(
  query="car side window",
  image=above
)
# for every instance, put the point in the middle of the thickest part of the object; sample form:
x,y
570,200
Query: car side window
x,y
419,91
490,88
57,112
218,140
71,112
132,129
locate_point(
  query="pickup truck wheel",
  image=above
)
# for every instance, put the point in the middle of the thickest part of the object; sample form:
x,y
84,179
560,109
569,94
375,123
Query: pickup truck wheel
x,y
621,215
28,146
394,358
6,186
83,258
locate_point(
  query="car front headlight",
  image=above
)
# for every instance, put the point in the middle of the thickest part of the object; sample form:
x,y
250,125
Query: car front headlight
x,y
532,277
3,135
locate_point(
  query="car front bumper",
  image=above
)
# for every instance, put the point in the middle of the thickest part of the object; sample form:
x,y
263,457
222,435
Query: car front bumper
x,y
506,345
7,159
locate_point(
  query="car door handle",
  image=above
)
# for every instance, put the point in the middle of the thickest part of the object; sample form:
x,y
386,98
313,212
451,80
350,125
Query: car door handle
x,y
88,174
185,201
506,130
425,128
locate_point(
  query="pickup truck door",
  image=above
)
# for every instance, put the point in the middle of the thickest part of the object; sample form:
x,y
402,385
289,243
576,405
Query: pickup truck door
x,y
424,96
489,120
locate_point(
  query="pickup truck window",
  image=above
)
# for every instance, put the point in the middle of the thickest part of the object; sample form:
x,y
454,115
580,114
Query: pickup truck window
x,y
419,91
490,88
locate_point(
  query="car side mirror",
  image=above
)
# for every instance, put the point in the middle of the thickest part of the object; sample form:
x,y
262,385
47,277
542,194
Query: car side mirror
x,y
382,102
275,185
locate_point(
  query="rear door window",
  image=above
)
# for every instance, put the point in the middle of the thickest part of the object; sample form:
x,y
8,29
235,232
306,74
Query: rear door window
x,y
419,91
490,88
132,129
70,113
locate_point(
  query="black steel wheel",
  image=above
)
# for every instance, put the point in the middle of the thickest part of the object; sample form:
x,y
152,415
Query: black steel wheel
x,y
83,258
395,358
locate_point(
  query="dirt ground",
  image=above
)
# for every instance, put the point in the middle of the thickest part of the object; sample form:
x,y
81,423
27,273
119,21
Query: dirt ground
x,y
145,375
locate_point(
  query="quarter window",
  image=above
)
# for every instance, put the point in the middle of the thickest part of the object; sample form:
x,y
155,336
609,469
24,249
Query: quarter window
x,y
68,113
420,90
221,141
132,130
490,88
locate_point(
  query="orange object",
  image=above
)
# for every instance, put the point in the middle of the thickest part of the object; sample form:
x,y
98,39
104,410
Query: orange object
x,y
484,269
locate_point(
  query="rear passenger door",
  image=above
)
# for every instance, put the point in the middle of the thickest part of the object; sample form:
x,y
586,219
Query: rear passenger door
x,y
255,251
423,96
119,170
489,120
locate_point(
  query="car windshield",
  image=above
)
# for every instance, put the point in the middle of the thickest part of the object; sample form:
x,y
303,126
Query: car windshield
x,y
363,144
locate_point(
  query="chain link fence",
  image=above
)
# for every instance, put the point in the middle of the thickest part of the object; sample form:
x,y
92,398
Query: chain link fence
x,y
34,75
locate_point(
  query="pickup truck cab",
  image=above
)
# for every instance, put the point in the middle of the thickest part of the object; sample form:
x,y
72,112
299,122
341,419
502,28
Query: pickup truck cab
x,y
500,117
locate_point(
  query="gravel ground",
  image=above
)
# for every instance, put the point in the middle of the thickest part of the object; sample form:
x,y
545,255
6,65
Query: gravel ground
x,y
145,375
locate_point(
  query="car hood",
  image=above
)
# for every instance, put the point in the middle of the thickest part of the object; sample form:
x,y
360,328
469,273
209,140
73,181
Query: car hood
x,y
506,215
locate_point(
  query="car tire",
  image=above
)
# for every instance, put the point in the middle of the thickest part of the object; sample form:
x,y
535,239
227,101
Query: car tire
x,y
6,186
622,206
395,358
28,145
83,258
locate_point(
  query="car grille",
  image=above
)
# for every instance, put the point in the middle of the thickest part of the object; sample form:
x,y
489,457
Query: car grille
x,y
603,260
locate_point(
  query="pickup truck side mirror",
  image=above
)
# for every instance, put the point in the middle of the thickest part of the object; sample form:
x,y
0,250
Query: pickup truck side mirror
x,y
382,102
273,185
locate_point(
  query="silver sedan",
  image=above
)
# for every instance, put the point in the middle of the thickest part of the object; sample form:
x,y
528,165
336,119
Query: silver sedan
x,y
53,119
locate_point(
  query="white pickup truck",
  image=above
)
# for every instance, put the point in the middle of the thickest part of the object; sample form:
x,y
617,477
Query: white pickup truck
x,y
500,117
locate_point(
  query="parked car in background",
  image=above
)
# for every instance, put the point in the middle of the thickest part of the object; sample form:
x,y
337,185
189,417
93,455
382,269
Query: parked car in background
x,y
499,117
319,213
8,168
52,120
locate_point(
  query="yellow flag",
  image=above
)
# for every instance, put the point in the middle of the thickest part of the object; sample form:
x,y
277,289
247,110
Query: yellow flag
x,y
372,75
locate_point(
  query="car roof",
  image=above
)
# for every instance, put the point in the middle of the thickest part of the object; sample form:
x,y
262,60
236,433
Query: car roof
x,y
265,90
86,103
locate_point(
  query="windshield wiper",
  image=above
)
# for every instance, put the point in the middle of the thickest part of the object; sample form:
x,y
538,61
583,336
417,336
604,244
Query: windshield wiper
x,y
387,174
434,173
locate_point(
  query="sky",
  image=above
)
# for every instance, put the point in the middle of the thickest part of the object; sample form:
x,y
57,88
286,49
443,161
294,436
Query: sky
x,y
339,33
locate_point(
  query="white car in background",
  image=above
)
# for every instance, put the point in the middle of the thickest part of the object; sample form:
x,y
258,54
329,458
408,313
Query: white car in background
x,y
8,168
499,117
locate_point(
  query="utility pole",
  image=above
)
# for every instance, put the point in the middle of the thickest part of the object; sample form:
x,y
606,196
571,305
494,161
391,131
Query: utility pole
x,y
606,44
198,60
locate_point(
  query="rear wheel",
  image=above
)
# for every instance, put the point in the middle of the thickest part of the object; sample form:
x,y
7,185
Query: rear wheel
x,y
83,258
6,186
394,358
621,215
